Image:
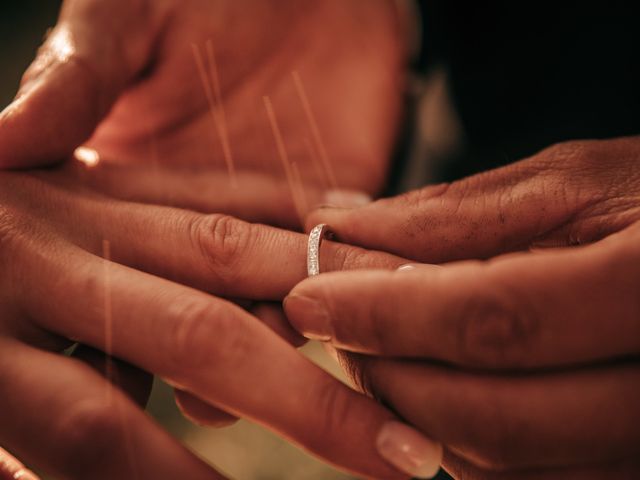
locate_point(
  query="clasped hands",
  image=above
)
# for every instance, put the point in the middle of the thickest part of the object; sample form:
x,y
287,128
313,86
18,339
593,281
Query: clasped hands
x,y
523,366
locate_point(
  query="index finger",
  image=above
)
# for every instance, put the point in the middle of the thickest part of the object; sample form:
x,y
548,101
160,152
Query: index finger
x,y
528,310
553,198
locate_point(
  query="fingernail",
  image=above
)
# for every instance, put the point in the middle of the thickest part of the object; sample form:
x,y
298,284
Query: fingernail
x,y
308,316
345,199
409,451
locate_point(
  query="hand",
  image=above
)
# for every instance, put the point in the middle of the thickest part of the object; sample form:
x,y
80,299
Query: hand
x,y
12,469
528,361
183,83
62,415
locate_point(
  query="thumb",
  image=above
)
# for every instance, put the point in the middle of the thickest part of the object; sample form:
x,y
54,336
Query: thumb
x,y
93,53
504,210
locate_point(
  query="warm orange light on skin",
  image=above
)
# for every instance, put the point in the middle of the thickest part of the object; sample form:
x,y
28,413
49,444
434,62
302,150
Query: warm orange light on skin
x,y
62,45
88,156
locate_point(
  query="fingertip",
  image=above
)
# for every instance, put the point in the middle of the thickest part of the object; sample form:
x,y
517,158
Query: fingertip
x,y
308,316
201,413
335,204
327,214
274,317
345,198
46,121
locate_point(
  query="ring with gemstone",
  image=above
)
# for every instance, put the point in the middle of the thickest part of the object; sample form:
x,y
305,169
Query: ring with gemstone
x,y
317,234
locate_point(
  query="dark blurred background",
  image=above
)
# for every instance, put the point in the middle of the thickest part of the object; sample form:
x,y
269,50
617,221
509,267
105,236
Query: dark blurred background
x,y
23,25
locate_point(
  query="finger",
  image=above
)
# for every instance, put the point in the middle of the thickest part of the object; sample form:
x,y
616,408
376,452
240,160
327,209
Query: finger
x,y
548,309
214,253
94,52
75,425
503,210
567,418
130,380
201,413
205,346
458,467
12,469
256,197
272,315
137,385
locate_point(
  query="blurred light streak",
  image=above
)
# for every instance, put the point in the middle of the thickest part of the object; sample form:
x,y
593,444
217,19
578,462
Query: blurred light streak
x,y
297,189
110,372
315,132
108,317
209,77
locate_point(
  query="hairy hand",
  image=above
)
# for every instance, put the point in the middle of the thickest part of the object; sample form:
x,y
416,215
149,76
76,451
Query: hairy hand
x,y
527,362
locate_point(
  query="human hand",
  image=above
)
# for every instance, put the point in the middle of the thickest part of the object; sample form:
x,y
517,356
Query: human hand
x,y
528,361
60,414
127,75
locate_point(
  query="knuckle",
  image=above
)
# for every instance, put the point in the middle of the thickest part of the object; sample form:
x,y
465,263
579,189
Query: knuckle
x,y
220,239
356,368
203,334
419,199
335,409
420,202
346,257
493,332
88,435
565,153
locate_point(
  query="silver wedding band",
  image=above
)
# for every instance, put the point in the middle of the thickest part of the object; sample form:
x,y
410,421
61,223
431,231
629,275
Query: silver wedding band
x,y
317,234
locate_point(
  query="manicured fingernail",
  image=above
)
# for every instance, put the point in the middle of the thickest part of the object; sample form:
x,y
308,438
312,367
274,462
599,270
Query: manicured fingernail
x,y
409,451
345,199
308,316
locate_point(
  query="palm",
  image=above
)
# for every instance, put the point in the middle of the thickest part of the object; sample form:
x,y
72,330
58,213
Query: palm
x,y
344,59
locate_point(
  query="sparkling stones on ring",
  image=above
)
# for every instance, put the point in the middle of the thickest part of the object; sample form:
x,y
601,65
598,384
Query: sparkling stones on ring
x,y
317,234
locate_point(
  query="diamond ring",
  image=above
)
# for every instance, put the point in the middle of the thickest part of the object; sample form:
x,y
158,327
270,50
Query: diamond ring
x,y
318,233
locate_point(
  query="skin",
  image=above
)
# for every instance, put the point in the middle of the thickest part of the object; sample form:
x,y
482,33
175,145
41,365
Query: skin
x,y
519,352
151,304
123,77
